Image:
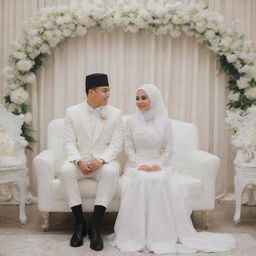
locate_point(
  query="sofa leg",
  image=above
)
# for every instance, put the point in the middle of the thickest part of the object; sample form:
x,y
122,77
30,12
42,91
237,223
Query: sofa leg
x,y
205,219
45,217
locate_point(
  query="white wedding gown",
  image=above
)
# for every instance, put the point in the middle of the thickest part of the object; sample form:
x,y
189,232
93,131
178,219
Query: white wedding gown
x,y
153,215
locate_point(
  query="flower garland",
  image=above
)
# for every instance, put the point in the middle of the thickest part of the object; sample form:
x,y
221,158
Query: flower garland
x,y
52,27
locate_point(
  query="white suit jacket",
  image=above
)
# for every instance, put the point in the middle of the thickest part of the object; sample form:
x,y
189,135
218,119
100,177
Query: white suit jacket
x,y
81,142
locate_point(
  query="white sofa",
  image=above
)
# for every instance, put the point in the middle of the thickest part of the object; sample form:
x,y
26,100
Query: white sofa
x,y
198,168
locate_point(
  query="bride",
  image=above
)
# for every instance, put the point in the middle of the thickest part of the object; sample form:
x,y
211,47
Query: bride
x,y
153,216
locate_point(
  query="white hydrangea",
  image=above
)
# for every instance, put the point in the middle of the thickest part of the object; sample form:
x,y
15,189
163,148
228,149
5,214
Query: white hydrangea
x,y
81,30
231,58
19,55
175,33
242,83
209,34
233,96
250,93
24,65
28,118
19,96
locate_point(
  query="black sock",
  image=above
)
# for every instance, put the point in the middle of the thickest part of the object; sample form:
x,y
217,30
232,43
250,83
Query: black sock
x,y
78,213
97,216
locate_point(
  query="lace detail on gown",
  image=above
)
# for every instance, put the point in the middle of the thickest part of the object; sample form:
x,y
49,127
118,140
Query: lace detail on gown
x,y
153,215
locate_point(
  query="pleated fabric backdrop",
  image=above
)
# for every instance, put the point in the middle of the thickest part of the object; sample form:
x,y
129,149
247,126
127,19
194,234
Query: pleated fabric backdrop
x,y
184,70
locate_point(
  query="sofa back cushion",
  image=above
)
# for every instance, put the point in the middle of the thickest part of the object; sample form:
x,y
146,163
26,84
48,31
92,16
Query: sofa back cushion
x,y
185,140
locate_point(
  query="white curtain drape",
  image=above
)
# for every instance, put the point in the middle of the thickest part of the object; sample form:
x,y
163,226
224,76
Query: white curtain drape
x,y
184,70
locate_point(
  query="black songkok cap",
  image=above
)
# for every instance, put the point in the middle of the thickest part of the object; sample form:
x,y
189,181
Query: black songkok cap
x,y
95,80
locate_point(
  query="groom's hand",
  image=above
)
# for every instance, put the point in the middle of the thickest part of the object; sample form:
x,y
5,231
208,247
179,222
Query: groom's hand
x,y
94,165
83,166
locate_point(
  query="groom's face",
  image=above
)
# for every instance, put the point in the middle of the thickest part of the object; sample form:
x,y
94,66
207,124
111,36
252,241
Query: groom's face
x,y
100,95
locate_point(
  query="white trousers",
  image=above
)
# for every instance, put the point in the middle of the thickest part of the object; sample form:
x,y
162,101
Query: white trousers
x,y
106,176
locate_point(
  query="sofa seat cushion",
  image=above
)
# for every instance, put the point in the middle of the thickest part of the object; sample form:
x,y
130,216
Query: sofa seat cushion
x,y
88,188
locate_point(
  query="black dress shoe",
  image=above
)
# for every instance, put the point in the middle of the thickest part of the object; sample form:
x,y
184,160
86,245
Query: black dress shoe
x,y
96,239
78,235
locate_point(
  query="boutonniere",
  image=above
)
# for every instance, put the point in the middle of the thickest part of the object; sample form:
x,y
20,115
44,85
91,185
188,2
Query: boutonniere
x,y
103,114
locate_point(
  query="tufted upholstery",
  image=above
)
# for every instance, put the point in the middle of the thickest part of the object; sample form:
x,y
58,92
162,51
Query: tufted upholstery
x,y
198,171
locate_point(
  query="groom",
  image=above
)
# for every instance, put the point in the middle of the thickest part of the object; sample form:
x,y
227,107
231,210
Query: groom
x,y
93,137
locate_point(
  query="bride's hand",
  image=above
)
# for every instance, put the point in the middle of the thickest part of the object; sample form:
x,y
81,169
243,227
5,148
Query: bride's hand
x,y
144,168
155,168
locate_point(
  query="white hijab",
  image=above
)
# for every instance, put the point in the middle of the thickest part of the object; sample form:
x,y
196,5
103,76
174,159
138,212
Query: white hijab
x,y
158,112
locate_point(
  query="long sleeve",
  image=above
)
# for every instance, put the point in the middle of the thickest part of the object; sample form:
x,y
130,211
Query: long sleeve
x,y
116,142
129,147
165,158
70,140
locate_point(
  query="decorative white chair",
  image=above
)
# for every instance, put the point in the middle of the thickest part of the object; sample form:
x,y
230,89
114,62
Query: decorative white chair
x,y
245,163
12,155
198,168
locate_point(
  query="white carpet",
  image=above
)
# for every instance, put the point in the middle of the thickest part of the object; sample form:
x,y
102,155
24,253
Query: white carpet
x,y
58,245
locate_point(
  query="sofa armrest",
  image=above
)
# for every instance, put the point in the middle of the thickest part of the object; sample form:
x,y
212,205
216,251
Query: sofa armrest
x,y
44,164
204,166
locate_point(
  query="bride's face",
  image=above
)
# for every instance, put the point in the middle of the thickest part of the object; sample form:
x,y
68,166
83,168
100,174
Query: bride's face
x,y
143,101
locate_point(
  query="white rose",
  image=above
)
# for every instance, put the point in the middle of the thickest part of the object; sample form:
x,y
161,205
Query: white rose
x,y
175,33
81,31
48,34
231,58
67,18
29,78
54,41
225,42
209,34
83,19
13,86
200,27
233,96
244,69
251,73
242,83
28,118
250,93
24,65
60,20
44,48
67,32
35,41
141,23
19,96
98,13
177,20
48,25
58,33
19,55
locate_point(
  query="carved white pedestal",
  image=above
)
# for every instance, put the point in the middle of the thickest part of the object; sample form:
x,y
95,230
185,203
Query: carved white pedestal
x,y
18,175
245,174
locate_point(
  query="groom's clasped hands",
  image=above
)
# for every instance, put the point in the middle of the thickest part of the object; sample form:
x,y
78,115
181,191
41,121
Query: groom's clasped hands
x,y
146,168
88,167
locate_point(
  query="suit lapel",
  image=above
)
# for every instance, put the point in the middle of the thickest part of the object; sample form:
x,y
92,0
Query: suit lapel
x,y
86,121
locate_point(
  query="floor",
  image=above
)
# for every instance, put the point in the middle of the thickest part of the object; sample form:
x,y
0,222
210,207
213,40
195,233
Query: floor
x,y
220,220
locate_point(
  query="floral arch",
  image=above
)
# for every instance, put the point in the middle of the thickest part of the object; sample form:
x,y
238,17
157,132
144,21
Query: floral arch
x,y
52,27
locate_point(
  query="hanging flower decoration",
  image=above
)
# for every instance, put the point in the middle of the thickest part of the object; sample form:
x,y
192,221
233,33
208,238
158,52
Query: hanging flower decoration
x,y
52,27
